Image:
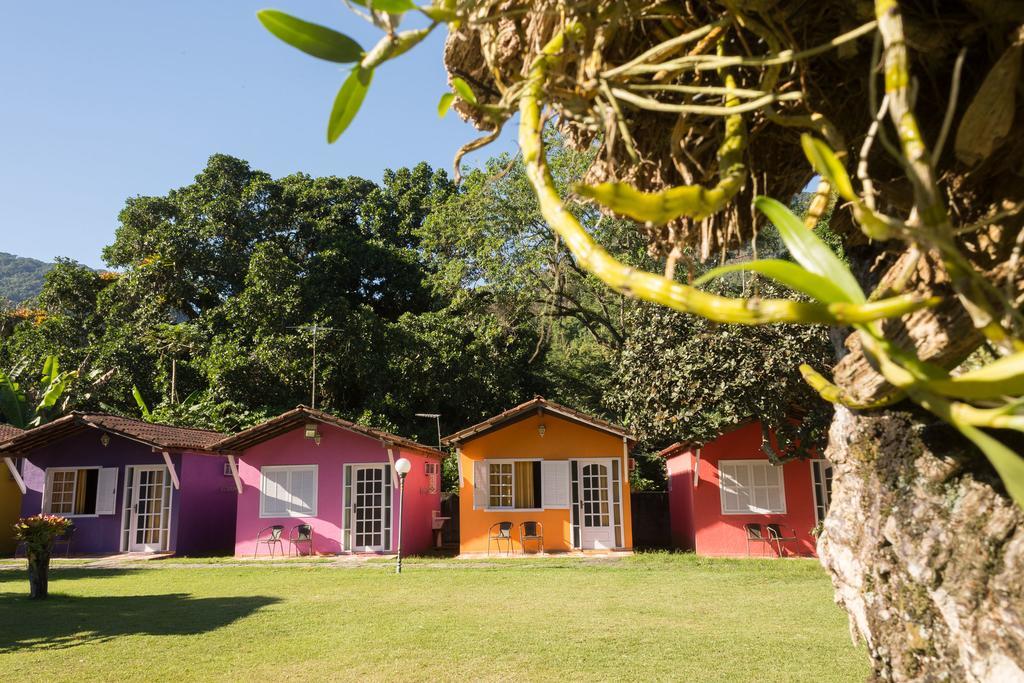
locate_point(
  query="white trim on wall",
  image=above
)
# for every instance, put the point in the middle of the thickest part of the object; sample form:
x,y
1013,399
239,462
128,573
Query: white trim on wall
x,y
233,466
170,469
16,474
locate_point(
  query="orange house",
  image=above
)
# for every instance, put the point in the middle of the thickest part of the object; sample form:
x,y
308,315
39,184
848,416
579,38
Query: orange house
x,y
543,462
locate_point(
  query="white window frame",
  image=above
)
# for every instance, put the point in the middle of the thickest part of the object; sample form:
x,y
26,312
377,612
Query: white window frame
x,y
751,510
315,469
513,508
48,493
815,490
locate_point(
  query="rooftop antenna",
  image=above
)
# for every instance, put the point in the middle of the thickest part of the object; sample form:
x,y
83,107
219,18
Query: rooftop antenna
x,y
316,329
434,416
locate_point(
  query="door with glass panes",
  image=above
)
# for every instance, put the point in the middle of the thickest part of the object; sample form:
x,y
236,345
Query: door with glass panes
x,y
597,528
150,509
370,508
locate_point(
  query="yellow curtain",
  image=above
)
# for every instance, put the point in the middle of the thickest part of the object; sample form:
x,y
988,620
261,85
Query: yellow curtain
x,y
80,486
524,485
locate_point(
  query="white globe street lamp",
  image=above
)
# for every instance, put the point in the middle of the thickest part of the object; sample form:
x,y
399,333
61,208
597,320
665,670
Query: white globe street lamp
x,y
402,467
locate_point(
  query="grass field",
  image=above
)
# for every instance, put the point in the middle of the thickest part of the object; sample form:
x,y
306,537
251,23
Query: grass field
x,y
648,617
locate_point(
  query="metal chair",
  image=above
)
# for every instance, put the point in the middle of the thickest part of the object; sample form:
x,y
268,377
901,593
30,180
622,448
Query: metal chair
x,y
274,538
300,533
504,534
755,534
775,536
66,539
531,531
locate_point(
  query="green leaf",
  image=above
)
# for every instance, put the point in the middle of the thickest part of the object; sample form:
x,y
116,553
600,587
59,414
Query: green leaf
x,y
440,14
788,273
809,250
389,6
1002,377
12,401
826,163
444,104
54,390
312,39
141,402
346,104
51,368
464,91
1008,464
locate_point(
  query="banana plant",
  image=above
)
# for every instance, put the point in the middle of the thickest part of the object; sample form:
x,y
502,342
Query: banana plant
x,y
26,409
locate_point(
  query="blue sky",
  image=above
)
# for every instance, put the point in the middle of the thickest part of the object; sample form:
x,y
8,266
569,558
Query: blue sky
x,y
106,100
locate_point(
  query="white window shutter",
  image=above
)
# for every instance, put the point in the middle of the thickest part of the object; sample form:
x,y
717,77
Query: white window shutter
x,y
47,492
554,477
106,491
480,491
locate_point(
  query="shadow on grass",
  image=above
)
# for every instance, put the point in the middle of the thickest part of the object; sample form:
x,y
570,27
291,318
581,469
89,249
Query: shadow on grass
x,y
64,621
16,579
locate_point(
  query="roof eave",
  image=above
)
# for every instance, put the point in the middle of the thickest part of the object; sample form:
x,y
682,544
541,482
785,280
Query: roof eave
x,y
525,411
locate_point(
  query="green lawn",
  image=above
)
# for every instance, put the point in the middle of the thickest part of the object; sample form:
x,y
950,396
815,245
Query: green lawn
x,y
646,617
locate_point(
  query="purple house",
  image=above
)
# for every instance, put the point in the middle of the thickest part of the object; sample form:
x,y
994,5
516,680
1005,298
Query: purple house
x,y
128,485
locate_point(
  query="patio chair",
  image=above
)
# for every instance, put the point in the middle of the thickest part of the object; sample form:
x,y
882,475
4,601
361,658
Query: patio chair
x,y
65,539
273,538
755,535
531,531
775,536
504,533
300,533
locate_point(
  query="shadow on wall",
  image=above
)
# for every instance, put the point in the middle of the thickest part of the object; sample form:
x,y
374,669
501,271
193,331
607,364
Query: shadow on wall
x,y
65,622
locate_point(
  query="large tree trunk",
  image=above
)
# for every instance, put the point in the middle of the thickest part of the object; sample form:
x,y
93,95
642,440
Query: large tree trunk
x,y
925,551
39,574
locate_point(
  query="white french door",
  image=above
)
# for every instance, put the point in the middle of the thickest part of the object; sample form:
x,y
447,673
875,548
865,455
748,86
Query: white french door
x,y
150,510
597,531
371,509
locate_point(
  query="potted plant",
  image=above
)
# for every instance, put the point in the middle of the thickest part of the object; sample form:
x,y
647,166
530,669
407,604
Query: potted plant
x,y
38,533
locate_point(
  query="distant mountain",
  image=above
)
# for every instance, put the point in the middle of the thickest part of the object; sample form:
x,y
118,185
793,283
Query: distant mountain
x,y
21,278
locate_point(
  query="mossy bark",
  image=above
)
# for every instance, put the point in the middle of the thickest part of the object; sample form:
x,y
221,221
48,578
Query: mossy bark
x,y
925,550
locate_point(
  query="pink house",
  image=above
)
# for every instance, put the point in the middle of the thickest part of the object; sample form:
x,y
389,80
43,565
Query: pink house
x,y
308,467
717,490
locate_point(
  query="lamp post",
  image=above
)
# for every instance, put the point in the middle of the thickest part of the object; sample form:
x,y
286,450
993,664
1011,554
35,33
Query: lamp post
x,y
402,467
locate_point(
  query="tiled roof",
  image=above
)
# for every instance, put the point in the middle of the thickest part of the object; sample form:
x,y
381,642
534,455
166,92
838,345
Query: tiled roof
x,y
165,437
9,432
286,422
672,449
541,405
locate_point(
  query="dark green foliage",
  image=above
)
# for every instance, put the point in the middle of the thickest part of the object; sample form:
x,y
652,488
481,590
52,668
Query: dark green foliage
x,y
215,279
451,300
684,378
21,278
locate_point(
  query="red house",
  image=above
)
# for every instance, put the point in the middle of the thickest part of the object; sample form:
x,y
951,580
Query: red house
x,y
726,493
